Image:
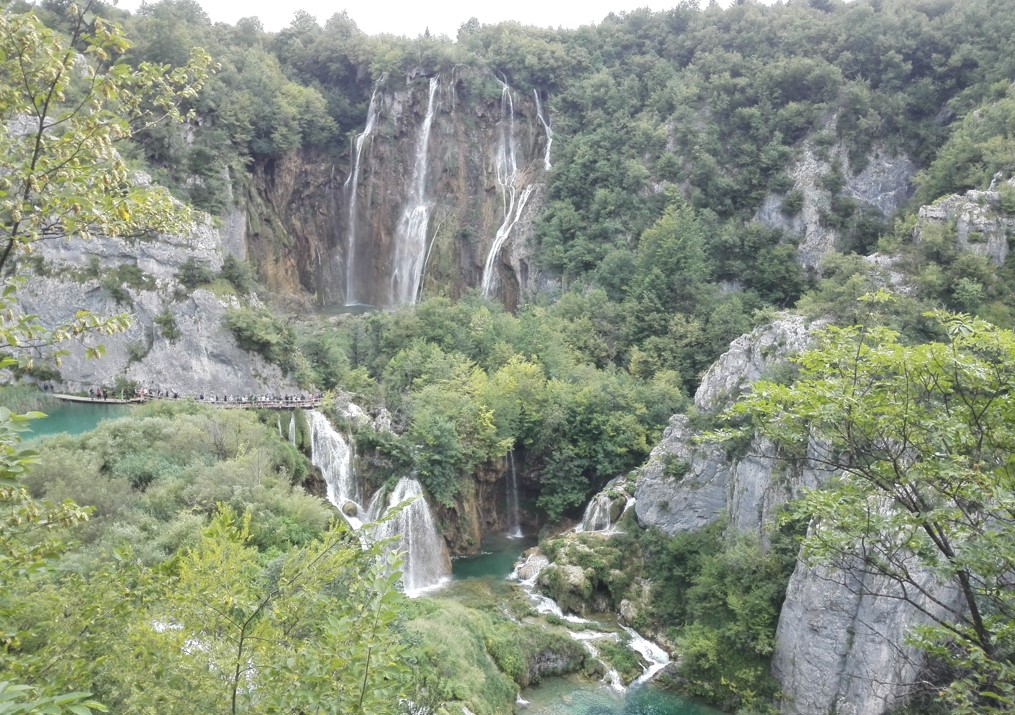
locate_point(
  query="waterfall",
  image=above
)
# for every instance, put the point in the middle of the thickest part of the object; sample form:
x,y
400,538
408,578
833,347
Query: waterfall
x,y
656,657
292,429
410,236
352,184
545,121
426,562
278,422
597,514
333,456
653,657
506,166
514,519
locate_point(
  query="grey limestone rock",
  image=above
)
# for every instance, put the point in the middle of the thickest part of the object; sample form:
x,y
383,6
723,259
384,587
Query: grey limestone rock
x,y
883,184
980,224
685,485
203,357
841,641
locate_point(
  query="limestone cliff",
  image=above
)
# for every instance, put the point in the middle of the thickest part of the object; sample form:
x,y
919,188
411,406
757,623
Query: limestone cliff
x,y
882,186
685,485
841,640
176,340
841,643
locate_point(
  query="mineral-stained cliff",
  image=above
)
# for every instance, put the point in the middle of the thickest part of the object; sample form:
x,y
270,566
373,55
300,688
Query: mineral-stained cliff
x,y
436,196
177,339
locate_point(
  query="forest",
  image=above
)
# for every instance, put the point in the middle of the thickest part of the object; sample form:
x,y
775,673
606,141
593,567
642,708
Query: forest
x,y
713,172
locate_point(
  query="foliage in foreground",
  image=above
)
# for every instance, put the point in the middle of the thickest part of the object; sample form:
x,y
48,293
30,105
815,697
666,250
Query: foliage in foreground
x,y
924,438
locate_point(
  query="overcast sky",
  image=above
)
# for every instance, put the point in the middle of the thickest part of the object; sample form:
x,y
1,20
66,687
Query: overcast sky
x,y
412,17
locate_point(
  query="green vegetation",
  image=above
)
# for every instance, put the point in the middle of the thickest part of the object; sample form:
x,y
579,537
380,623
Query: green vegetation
x,y
672,128
924,432
715,595
467,382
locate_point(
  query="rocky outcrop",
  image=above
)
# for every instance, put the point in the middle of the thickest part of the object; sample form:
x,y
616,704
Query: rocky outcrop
x,y
976,219
176,340
841,642
883,185
686,485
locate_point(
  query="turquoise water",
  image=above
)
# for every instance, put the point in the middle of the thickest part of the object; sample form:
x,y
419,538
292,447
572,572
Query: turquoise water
x,y
570,695
574,696
496,560
74,418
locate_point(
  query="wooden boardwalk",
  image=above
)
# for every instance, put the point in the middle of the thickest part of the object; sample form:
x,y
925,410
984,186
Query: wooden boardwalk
x,y
307,404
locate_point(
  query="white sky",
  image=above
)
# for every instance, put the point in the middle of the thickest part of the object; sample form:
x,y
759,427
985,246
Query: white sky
x,y
412,17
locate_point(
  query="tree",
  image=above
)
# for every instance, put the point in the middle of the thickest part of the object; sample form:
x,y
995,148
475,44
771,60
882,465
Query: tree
x,y
923,440
64,102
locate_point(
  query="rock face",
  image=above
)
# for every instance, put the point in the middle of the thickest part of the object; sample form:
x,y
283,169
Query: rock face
x,y
979,223
840,645
883,185
685,486
199,356
461,169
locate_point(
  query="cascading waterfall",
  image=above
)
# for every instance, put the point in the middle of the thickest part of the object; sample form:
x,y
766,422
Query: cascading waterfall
x,y
426,564
506,166
514,517
653,657
547,128
352,184
333,456
597,514
411,234
292,429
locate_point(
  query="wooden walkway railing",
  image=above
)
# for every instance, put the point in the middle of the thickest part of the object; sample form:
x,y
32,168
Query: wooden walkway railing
x,y
271,404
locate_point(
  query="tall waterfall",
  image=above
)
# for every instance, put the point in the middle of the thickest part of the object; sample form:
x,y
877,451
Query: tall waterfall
x,y
426,557
411,234
292,429
506,161
545,121
352,184
333,456
514,519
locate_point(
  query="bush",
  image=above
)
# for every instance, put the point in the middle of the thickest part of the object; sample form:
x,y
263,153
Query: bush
x,y
167,325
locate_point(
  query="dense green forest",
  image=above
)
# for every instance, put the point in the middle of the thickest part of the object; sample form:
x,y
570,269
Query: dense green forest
x,y
672,129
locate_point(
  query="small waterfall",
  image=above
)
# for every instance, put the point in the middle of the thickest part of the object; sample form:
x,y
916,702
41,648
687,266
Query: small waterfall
x,y
514,517
411,234
292,429
597,514
545,121
655,656
506,165
278,422
352,184
426,562
333,456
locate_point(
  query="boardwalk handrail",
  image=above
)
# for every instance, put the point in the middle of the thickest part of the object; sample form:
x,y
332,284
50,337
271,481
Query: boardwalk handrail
x,y
273,404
